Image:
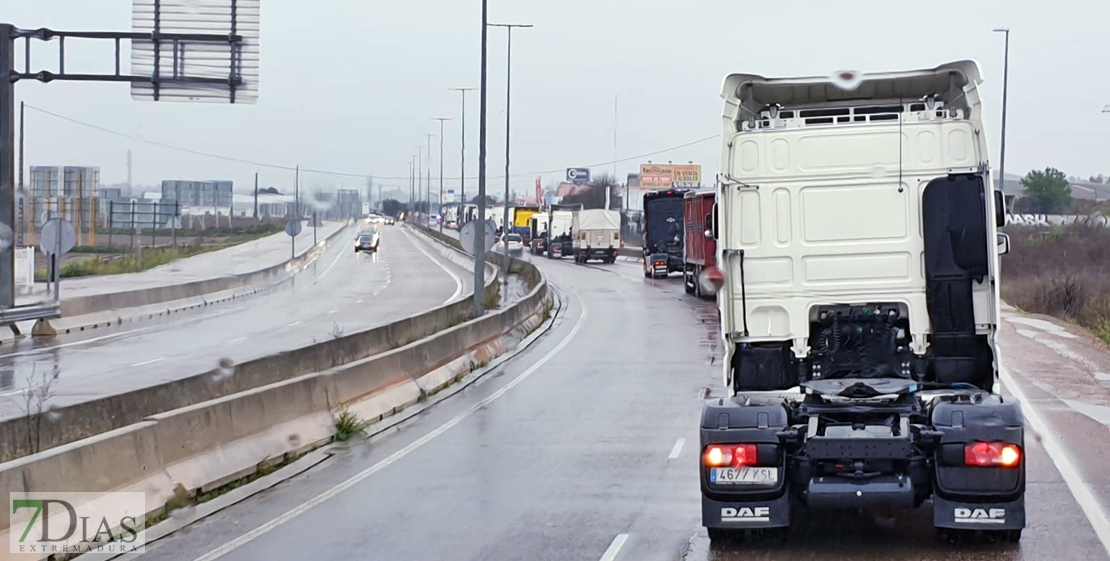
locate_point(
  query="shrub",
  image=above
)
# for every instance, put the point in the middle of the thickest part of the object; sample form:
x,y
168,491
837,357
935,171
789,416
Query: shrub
x,y
1063,272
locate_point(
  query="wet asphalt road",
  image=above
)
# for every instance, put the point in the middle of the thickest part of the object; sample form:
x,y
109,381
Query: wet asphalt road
x,y
341,292
584,442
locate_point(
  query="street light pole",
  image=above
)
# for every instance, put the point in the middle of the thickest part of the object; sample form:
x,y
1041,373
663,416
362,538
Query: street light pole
x,y
1005,91
441,120
508,91
420,167
480,227
428,180
462,169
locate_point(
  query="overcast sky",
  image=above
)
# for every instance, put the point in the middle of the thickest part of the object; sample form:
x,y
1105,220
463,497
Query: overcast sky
x,y
351,85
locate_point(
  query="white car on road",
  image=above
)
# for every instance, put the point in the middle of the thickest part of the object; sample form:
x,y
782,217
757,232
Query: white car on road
x,y
515,244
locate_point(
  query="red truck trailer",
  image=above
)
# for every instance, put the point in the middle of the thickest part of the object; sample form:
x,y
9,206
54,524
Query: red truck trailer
x,y
700,251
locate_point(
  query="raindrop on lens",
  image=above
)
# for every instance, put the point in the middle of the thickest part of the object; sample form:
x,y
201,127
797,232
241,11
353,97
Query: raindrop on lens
x,y
878,172
226,369
51,414
6,236
846,79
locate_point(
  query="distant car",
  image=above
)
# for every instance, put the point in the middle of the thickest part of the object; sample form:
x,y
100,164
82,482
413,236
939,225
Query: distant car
x,y
515,244
367,241
374,219
388,220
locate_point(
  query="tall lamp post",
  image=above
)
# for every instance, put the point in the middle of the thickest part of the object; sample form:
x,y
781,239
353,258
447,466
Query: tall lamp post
x,y
508,91
428,181
419,168
441,120
412,186
462,159
1005,91
480,228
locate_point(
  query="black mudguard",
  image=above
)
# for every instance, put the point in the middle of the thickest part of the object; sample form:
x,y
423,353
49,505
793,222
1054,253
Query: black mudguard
x,y
978,498
725,421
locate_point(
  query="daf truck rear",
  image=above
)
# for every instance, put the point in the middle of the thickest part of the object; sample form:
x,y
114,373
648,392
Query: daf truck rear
x,y
700,249
857,235
663,232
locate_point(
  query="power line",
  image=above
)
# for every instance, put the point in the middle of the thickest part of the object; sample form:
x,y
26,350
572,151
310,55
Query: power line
x,y
339,173
190,150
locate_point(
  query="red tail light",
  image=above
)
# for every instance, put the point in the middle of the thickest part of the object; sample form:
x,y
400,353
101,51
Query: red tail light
x,y
992,454
730,455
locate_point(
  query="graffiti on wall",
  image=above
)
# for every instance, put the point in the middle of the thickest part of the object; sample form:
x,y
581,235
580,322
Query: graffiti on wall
x,y
1056,220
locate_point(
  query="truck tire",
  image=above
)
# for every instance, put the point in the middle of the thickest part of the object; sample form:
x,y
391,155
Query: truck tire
x,y
687,280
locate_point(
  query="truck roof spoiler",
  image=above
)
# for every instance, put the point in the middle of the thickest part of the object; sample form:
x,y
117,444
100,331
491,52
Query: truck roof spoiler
x,y
753,92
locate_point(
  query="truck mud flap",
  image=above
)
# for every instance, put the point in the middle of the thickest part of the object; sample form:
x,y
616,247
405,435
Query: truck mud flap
x,y
978,516
762,514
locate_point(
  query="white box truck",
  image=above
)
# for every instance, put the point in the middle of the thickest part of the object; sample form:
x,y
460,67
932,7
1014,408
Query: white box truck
x,y
597,235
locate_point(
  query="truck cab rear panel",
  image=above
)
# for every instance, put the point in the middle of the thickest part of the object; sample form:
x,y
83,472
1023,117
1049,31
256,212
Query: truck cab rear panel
x,y
824,201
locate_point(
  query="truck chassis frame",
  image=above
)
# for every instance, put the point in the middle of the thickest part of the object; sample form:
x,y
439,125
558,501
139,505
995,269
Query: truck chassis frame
x,y
861,443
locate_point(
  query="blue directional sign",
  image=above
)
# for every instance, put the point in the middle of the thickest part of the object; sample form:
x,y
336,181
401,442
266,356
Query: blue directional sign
x,y
578,176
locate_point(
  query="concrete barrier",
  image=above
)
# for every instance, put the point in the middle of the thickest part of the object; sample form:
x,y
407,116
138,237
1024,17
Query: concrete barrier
x,y
62,425
208,444
97,310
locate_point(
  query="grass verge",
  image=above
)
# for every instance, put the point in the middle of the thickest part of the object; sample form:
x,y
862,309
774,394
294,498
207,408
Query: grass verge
x,y
152,257
1062,272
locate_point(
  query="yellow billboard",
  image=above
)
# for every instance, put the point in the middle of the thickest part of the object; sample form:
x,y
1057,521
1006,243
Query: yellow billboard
x,y
656,176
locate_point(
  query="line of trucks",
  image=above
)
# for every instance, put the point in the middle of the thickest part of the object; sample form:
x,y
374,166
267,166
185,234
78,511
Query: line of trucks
x,y
562,231
855,228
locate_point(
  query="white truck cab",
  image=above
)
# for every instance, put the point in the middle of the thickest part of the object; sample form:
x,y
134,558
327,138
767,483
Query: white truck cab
x,y
876,195
856,228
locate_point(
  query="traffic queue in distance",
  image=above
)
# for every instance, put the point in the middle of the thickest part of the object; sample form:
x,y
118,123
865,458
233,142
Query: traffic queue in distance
x,y
563,230
678,237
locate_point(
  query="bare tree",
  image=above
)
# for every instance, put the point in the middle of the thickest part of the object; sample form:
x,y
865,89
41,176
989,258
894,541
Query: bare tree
x,y
37,394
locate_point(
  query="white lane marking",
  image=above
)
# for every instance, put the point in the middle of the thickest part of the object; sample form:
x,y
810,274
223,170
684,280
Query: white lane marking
x,y
614,548
330,267
358,301
75,343
677,448
1079,488
332,312
41,350
146,362
238,339
292,324
398,455
458,281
